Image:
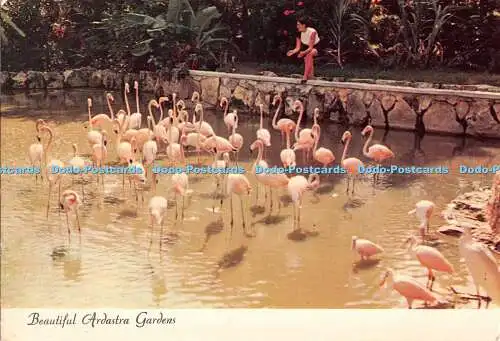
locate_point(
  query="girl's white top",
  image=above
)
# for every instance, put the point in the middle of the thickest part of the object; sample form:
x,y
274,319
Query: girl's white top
x,y
306,36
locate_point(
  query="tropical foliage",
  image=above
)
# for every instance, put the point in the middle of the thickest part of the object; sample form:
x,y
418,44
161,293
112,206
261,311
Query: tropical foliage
x,y
156,34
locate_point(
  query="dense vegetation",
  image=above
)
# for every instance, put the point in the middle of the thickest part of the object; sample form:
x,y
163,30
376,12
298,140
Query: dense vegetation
x,y
150,35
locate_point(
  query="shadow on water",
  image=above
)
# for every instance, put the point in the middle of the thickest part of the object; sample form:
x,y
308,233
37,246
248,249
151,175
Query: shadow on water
x,y
213,228
365,264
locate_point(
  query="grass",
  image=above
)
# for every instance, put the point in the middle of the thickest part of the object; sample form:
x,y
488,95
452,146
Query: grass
x,y
437,76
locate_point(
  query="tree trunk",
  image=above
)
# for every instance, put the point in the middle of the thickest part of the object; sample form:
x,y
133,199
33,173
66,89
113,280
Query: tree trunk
x,y
493,206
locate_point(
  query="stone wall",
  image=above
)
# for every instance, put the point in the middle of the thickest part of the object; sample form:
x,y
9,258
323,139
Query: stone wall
x,y
441,108
493,206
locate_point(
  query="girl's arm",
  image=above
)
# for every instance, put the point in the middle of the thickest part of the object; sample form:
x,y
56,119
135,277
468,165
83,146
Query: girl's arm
x,y
296,49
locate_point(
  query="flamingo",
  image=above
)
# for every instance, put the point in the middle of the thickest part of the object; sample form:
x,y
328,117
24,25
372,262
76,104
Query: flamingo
x,y
175,151
93,136
100,119
219,164
482,266
195,98
365,248
322,155
297,185
305,138
407,287
137,177
238,184
203,127
100,153
195,140
236,139
287,155
218,144
159,131
271,180
125,151
352,164
157,210
79,163
180,186
377,152
262,133
430,258
230,119
423,210
135,119
149,153
53,178
35,150
284,125
70,201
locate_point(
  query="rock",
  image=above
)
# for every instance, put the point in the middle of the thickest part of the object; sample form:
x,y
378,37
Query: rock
x,y
224,91
20,80
247,96
35,80
95,80
130,78
451,230
496,109
263,99
493,205
480,122
315,100
402,116
230,83
248,83
78,78
424,102
269,74
210,90
5,80
54,80
376,114
441,118
183,90
356,108
108,79
462,109
387,101
265,87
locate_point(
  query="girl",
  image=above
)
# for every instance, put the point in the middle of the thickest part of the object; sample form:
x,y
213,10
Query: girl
x,y
305,47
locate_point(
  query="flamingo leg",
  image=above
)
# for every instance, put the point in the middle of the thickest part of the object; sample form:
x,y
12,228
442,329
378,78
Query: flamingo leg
x,y
176,208
67,223
479,300
59,192
410,302
353,183
232,220
348,181
298,213
123,181
151,236
294,216
271,200
243,215
78,221
161,233
48,199
182,211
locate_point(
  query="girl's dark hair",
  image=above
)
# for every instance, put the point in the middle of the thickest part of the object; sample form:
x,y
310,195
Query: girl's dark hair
x,y
304,20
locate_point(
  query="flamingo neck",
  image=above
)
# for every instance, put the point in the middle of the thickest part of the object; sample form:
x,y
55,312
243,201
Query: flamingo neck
x,y
317,129
226,107
137,99
261,118
48,147
344,154
126,103
288,133
275,118
368,141
298,124
110,109
152,116
90,118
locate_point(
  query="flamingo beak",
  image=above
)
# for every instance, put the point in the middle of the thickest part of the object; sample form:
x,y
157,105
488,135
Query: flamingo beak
x,y
61,206
105,143
39,138
382,282
131,161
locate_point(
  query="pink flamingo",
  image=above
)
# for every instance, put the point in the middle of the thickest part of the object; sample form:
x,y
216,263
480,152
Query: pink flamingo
x,y
229,119
297,185
99,119
407,287
287,155
157,210
423,210
100,153
180,186
304,139
93,136
69,201
238,184
175,151
271,180
322,155
262,133
135,119
35,150
377,152
203,127
284,125
236,139
352,164
365,248
430,258
218,145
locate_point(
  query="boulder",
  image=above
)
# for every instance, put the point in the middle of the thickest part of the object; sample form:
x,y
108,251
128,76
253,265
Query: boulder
x,y
54,80
441,118
247,96
210,90
20,80
77,78
480,121
95,80
402,115
356,108
108,79
147,81
5,80
462,108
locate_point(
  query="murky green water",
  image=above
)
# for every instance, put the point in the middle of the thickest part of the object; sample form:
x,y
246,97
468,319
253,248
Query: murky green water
x,y
110,265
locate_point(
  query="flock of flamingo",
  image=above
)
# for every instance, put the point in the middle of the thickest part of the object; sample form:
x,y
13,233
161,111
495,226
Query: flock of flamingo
x,y
172,133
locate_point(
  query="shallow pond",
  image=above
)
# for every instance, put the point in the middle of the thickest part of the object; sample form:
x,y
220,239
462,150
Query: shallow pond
x,y
110,265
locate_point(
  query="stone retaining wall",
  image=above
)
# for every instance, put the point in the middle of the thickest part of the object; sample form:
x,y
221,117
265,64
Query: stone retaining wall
x,y
441,108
